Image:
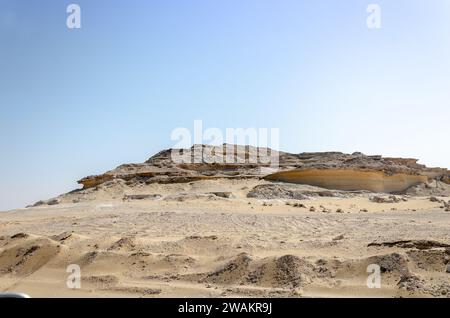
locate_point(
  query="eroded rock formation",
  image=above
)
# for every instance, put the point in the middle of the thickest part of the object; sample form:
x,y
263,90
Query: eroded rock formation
x,y
331,170
350,179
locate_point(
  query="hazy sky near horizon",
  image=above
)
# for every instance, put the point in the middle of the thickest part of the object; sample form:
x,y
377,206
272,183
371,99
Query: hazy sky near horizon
x,y
75,102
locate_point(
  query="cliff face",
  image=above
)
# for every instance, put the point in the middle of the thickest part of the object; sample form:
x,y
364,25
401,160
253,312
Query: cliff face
x,y
332,170
350,179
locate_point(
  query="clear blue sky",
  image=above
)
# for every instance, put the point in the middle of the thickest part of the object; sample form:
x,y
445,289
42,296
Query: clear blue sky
x,y
80,102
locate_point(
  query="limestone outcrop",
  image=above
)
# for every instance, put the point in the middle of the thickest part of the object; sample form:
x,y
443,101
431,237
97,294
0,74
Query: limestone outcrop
x,y
350,179
330,170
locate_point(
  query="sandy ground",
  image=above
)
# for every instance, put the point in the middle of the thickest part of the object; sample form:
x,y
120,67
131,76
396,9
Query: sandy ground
x,y
200,246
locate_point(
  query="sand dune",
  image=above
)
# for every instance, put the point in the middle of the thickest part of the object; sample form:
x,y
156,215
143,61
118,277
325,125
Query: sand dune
x,y
216,230
215,246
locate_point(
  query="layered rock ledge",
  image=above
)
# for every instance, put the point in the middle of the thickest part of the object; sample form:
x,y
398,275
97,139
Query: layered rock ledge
x,y
330,170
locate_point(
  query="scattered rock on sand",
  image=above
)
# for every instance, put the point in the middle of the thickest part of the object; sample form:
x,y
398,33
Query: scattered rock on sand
x,y
39,203
410,283
393,262
144,291
89,258
417,285
221,194
287,271
130,197
63,236
19,235
419,244
53,202
275,191
447,206
382,199
199,237
24,258
103,280
232,272
429,190
126,243
428,260
181,197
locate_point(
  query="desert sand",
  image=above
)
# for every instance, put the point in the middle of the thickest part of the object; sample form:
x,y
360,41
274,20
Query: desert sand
x,y
229,237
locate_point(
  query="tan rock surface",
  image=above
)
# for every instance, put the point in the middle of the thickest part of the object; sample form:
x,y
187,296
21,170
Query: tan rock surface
x,y
350,179
382,174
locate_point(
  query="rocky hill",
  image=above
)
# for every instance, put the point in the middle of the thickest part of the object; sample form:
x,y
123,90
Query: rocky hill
x,y
331,170
303,225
